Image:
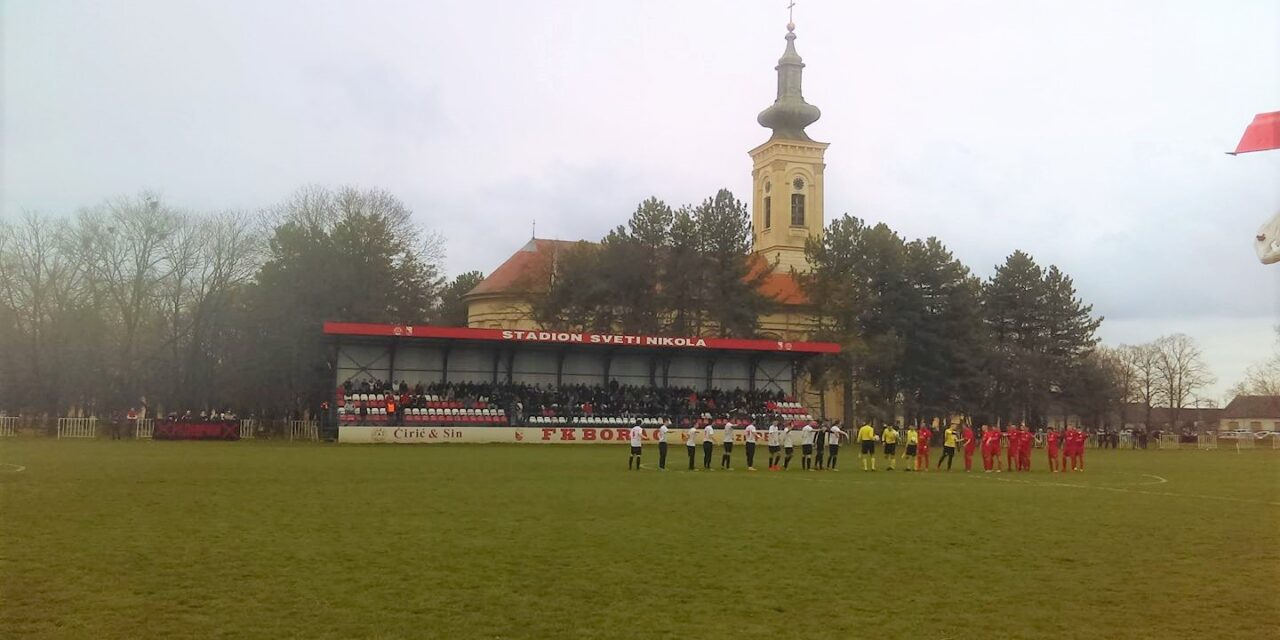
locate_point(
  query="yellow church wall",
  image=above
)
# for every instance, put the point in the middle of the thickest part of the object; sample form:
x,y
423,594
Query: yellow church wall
x,y
777,165
500,312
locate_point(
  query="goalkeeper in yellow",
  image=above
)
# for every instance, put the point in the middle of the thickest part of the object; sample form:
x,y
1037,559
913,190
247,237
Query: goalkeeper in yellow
x,y
867,437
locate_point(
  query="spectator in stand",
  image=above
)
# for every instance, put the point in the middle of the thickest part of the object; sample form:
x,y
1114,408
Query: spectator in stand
x,y
570,404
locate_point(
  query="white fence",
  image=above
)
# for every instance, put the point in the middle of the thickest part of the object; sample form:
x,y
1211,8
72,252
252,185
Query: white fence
x,y
304,430
1207,441
248,428
8,426
143,428
77,428
1169,441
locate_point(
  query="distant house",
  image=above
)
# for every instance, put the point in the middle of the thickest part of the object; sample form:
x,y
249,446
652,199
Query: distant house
x,y
1255,413
1198,418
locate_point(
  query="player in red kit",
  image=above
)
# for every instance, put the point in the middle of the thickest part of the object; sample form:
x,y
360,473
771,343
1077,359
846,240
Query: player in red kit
x,y
1079,448
1064,446
986,448
970,444
1069,448
995,447
1077,458
922,449
1024,454
1051,443
1011,452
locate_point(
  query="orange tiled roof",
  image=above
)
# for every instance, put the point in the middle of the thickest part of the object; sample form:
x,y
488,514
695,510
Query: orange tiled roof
x,y
524,271
779,285
528,270
784,289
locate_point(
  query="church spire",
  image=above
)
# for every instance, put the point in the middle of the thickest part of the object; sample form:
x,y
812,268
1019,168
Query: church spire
x,y
789,114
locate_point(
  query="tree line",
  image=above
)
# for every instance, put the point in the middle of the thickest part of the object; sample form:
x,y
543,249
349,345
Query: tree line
x,y
136,303
683,271
922,337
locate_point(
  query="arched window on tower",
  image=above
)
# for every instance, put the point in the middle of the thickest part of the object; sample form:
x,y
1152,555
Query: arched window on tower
x,y
797,209
768,212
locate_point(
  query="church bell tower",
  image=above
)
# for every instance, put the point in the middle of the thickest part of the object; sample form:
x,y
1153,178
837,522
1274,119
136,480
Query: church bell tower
x,y
787,171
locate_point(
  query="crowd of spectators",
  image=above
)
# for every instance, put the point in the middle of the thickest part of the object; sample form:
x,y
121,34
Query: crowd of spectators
x,y
522,401
203,416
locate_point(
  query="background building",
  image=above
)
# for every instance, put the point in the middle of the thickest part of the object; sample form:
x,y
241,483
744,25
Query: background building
x,y
1255,413
787,209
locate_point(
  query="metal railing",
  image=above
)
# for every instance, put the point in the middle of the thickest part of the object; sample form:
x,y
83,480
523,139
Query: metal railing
x,y
77,427
304,430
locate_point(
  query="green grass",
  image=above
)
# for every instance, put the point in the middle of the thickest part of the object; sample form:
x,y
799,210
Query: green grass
x,y
262,540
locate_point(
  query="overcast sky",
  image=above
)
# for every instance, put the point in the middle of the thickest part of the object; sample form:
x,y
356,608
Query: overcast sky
x,y
1090,134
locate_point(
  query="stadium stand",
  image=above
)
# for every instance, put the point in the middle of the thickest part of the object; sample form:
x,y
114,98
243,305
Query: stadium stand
x,y
375,402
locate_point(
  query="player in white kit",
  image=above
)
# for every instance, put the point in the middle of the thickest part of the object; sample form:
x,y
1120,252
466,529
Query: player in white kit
x,y
662,444
834,436
788,446
708,445
773,438
806,446
692,444
637,435
749,437
727,441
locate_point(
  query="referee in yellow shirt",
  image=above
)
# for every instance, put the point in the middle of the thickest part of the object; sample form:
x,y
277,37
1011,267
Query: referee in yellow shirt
x,y
948,446
867,436
890,438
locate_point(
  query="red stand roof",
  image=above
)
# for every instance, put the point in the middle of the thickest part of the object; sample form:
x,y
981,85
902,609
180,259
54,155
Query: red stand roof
x,y
520,336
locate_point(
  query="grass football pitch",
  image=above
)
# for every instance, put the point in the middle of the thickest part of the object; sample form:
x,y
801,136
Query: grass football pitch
x,y
271,540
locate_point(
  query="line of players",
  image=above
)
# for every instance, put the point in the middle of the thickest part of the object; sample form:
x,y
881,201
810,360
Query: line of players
x,y
818,439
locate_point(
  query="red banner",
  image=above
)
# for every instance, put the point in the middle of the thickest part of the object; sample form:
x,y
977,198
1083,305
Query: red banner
x,y
572,337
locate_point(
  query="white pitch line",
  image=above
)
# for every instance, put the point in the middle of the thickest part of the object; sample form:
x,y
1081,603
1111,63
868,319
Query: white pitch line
x,y
1140,491
14,468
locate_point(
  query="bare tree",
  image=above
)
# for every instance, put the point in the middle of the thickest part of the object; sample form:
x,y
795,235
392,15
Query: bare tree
x,y
1180,371
133,297
42,285
1139,363
123,243
1261,378
1121,378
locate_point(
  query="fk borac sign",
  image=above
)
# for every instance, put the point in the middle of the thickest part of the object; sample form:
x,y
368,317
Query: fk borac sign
x,y
573,337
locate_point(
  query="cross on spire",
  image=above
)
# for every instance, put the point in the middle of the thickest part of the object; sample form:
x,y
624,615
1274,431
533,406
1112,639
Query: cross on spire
x,y
790,10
